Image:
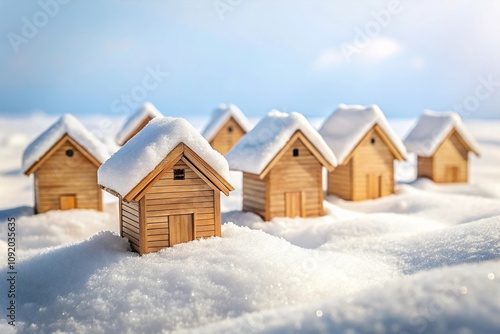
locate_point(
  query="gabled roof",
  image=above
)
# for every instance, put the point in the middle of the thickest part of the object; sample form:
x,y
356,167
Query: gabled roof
x,y
220,116
348,125
67,127
161,144
257,149
433,128
146,112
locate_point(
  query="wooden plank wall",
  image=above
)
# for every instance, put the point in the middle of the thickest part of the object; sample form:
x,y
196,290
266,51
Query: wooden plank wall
x,y
302,173
375,159
424,166
254,194
225,140
340,181
61,175
451,153
130,223
171,197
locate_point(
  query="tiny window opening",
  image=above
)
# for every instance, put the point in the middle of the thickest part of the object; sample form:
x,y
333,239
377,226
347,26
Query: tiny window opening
x,y
295,152
230,129
179,174
69,153
372,140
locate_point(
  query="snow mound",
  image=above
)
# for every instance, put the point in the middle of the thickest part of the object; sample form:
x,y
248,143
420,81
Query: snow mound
x,y
112,290
147,110
432,128
143,152
220,116
259,146
344,129
69,125
54,228
462,299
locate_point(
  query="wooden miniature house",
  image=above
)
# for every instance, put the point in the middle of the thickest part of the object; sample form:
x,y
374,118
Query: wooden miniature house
x,y
64,160
282,160
136,122
175,196
442,145
225,129
366,148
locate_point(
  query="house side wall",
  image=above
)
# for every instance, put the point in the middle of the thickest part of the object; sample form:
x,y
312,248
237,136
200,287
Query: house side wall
x,y
63,175
372,159
424,167
452,153
225,140
292,174
340,181
130,223
174,197
254,194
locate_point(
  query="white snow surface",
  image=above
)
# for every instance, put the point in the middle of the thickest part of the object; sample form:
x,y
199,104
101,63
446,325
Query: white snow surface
x,y
147,110
221,115
66,124
424,260
432,128
143,152
259,146
348,124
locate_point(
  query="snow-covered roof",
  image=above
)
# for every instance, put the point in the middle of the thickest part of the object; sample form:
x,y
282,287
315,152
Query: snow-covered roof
x,y
148,110
66,124
345,128
220,116
432,128
259,146
143,152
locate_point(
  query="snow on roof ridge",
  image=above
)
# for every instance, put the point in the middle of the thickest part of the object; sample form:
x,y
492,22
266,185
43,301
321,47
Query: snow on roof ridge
x,y
261,144
348,124
147,109
143,152
66,124
220,116
432,128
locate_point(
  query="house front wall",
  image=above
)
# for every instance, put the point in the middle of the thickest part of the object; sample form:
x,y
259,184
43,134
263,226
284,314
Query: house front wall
x,y
450,162
295,185
170,197
227,136
372,168
67,173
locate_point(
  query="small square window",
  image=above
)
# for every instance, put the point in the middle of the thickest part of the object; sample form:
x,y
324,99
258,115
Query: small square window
x,y
179,174
295,152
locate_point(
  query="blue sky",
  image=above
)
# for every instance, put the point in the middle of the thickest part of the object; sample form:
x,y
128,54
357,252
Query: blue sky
x,y
97,57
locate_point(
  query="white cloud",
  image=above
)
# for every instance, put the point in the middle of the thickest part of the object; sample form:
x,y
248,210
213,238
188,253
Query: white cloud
x,y
380,48
328,59
376,49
